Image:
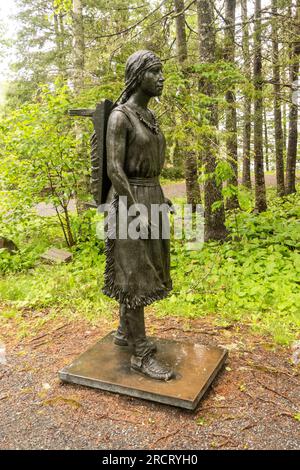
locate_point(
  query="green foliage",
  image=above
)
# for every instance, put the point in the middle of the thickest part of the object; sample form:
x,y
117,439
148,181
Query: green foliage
x,y
172,173
40,159
86,227
19,261
223,172
253,279
26,282
35,234
73,289
62,5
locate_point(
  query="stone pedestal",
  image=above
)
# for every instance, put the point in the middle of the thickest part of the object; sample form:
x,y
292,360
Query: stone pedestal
x,y
107,367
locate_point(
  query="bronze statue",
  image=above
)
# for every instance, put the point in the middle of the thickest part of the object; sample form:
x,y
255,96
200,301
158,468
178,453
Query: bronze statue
x,y
128,151
137,270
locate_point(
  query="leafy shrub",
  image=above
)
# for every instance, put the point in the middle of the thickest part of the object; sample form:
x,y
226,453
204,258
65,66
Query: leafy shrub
x,y
253,278
172,173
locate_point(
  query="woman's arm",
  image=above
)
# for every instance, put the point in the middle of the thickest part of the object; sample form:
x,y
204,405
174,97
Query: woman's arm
x,y
116,140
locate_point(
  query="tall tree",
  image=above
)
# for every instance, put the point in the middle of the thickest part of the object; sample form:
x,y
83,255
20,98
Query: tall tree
x,y
231,124
293,112
42,47
181,43
284,127
191,164
266,140
246,178
284,79
60,36
277,104
214,228
260,188
78,44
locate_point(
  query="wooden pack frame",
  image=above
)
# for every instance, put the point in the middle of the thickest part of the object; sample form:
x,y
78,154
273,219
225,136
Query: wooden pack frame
x,y
100,182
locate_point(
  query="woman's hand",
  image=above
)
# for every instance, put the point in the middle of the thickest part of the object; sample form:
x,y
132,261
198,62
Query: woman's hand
x,y
170,204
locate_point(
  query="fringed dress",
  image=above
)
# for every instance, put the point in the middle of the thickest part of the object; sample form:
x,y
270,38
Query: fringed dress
x,y
137,271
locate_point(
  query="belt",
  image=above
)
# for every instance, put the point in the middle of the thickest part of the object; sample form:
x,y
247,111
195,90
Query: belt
x,y
140,181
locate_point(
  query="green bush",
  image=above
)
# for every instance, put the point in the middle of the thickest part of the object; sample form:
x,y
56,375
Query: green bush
x,y
253,278
172,173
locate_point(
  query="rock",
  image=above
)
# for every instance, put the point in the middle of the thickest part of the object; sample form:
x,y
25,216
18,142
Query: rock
x,y
55,255
88,205
9,245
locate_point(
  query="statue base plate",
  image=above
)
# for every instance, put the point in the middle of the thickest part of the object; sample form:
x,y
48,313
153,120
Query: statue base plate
x,y
106,366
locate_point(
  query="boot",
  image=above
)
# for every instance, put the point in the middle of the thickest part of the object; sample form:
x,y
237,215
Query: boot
x,y
143,359
151,367
121,337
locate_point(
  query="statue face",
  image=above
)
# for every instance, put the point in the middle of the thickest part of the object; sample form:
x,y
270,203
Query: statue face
x,y
153,81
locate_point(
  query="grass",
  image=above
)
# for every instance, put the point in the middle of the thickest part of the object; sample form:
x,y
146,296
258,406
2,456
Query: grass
x,y
168,181
252,278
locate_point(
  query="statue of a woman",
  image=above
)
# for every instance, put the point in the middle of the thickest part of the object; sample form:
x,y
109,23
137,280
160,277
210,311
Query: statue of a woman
x,y
137,270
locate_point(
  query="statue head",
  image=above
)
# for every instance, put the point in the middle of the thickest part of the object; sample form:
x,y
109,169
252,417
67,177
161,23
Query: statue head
x,y
143,69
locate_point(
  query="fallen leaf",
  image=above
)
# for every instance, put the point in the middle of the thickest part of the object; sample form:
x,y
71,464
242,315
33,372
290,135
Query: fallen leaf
x,y
26,390
219,398
59,399
297,416
201,421
231,346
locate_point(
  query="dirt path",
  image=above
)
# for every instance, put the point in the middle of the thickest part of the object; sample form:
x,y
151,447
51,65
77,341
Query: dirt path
x,y
170,191
178,189
253,404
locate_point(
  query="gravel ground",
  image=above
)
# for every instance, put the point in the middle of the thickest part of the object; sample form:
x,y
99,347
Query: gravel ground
x,y
253,404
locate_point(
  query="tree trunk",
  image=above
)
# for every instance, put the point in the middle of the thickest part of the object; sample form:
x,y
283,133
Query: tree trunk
x,y
293,113
246,178
78,82
260,188
62,34
231,124
181,44
284,79
78,45
266,140
214,228
191,164
277,105
284,128
60,58
57,40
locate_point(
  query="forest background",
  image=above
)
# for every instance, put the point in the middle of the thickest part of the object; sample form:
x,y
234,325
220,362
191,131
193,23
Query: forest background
x,y
230,115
